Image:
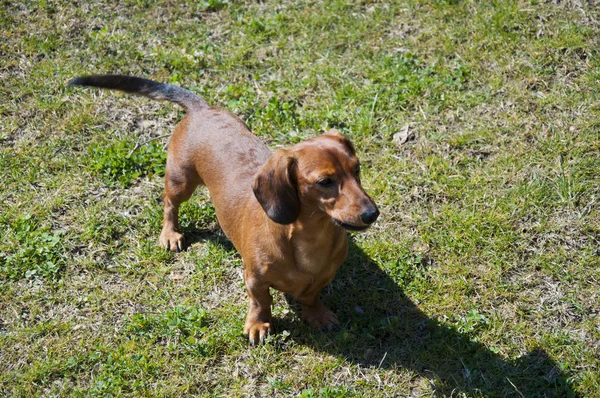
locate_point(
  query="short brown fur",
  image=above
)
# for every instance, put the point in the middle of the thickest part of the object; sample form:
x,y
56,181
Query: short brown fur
x,y
285,212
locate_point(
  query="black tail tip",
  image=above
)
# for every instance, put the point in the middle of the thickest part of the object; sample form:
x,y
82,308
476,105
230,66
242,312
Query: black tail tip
x,y
77,81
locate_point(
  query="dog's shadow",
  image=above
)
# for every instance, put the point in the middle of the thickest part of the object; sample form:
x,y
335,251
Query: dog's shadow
x,y
195,235
382,327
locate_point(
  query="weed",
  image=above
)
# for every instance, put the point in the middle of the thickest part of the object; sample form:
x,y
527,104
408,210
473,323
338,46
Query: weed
x,y
122,163
33,251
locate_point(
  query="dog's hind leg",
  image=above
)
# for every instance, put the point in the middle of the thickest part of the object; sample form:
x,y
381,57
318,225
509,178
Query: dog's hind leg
x,y
180,182
177,191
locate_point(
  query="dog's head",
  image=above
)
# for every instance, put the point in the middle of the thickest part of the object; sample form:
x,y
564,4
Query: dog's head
x,y
321,176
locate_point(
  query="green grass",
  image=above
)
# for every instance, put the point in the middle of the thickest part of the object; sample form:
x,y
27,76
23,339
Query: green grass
x,y
481,277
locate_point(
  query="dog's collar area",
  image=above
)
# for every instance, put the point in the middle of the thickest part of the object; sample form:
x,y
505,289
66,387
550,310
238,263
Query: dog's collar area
x,y
350,227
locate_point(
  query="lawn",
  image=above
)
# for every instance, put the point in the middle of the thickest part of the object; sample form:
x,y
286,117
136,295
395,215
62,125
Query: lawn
x,y
478,129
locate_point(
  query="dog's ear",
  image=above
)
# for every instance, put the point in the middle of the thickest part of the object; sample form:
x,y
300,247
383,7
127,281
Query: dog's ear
x,y
342,138
275,187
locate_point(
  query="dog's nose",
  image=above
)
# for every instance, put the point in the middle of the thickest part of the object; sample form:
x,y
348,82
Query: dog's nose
x,y
369,216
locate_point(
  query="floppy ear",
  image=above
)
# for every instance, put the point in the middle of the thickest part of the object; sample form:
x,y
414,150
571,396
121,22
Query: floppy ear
x,y
275,187
342,138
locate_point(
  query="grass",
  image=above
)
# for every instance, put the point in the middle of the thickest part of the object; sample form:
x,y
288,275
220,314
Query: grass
x,y
481,277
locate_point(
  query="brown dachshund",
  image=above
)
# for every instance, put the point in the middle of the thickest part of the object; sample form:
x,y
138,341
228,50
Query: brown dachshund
x,y
285,212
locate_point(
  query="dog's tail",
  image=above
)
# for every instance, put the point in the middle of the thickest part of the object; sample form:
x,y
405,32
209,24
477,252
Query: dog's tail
x,y
145,87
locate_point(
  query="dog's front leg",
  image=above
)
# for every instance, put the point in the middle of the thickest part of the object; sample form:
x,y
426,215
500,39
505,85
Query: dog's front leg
x,y
315,313
258,321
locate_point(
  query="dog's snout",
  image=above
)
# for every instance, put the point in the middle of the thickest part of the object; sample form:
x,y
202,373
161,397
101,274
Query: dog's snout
x,y
370,215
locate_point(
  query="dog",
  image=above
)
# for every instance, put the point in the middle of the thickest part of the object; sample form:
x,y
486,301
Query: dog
x,y
285,212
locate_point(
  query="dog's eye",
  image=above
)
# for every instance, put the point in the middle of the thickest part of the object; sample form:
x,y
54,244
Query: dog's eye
x,y
325,182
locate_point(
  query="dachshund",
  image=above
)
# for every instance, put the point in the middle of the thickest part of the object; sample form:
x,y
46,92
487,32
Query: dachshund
x,y
286,212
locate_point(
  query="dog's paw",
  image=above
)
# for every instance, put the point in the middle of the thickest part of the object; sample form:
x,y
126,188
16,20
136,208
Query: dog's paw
x,y
171,240
320,318
257,332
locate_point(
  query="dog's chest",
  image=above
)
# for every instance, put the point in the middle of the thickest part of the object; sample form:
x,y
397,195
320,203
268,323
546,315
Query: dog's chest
x,y
320,256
